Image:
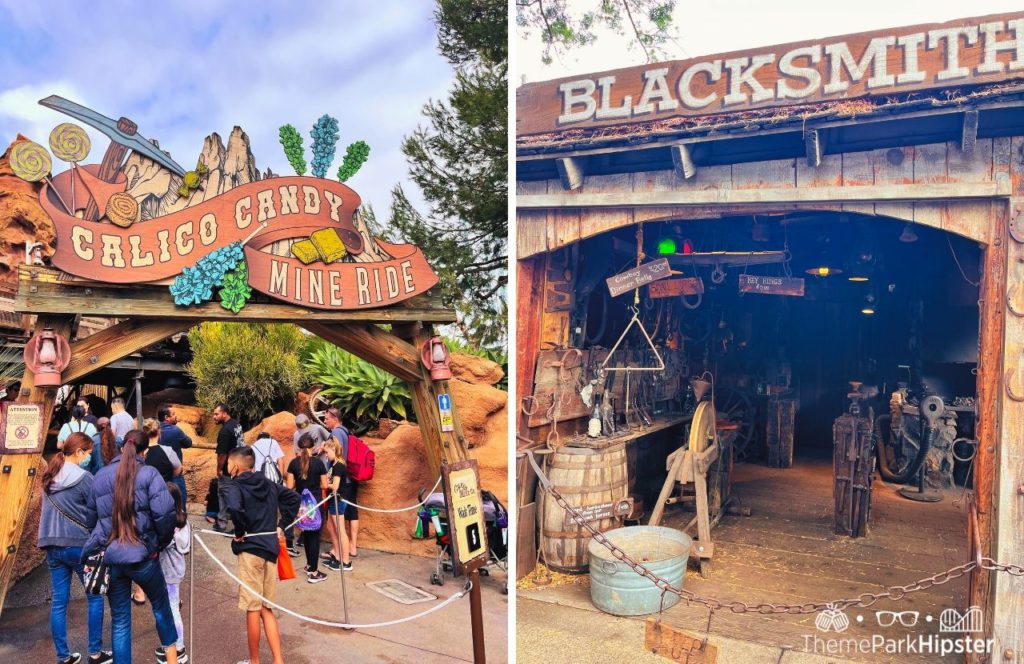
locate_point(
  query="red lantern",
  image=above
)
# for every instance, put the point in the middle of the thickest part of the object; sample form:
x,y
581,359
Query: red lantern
x,y
46,355
436,357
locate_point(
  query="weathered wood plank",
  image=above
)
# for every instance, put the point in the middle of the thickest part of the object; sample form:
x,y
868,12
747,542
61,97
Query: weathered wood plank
x,y
531,226
759,197
894,166
594,222
17,485
529,291
765,175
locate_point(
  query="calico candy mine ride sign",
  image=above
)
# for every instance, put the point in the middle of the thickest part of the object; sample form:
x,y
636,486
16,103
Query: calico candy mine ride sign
x,y
218,242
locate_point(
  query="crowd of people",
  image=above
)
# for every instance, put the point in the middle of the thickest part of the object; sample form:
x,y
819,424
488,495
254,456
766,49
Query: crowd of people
x,y
114,515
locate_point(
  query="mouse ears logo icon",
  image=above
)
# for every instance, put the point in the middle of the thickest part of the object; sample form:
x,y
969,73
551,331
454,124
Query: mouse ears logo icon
x,y
971,620
832,618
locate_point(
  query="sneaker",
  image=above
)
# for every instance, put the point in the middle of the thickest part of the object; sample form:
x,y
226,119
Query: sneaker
x,y
73,658
104,657
316,577
161,655
293,551
333,564
347,567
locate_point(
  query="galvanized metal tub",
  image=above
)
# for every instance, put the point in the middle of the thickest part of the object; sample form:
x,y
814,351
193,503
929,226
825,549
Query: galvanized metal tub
x,y
615,588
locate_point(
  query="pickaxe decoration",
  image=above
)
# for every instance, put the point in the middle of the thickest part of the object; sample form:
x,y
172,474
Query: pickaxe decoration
x,y
123,136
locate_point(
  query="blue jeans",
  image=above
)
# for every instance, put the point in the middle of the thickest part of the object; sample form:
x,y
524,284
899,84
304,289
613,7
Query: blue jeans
x,y
180,481
149,577
64,561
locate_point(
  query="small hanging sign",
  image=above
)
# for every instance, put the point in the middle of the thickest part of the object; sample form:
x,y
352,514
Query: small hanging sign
x,y
676,287
750,283
638,276
21,428
444,406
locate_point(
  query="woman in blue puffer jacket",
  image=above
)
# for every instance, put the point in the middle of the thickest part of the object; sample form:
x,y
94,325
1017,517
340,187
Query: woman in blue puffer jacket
x,y
134,519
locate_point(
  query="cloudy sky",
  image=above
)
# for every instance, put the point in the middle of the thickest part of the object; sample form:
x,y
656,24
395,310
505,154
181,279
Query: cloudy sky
x,y
182,70
705,28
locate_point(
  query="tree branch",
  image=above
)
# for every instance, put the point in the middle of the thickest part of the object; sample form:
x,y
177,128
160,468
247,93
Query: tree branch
x,y
636,31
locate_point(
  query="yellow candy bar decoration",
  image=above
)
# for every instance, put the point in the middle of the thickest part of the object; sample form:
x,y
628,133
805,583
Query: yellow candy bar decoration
x,y
305,251
328,244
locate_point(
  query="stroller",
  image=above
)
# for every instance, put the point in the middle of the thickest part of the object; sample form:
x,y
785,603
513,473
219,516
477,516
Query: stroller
x,y
496,524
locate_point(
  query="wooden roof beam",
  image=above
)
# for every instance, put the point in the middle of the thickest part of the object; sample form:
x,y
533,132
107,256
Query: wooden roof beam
x,y
969,135
570,172
814,143
683,162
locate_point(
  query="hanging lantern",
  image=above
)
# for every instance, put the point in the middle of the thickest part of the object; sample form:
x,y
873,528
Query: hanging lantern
x,y
908,234
436,357
46,355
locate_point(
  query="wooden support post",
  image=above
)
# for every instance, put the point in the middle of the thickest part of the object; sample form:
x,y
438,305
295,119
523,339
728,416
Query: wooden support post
x,y
999,465
113,343
16,486
682,160
666,489
442,446
969,135
570,172
814,143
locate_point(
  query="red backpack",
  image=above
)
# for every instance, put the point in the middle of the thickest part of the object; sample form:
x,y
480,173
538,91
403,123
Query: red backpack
x,y
360,460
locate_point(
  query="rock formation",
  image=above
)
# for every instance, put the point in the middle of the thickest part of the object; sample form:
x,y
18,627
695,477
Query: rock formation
x,y
21,221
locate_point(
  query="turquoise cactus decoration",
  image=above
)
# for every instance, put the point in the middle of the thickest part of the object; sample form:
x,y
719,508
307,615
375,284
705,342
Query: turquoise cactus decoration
x,y
195,284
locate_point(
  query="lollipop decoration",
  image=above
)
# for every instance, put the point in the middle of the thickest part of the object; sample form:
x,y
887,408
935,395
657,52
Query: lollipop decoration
x,y
70,143
122,209
31,162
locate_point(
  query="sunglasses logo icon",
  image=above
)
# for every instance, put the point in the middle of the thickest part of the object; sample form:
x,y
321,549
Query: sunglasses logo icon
x,y
889,618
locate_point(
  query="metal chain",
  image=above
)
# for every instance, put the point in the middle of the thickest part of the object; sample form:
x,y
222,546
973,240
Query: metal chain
x,y
894,593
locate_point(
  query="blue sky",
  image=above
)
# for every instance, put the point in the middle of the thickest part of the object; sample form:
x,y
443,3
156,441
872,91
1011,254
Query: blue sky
x,y
182,70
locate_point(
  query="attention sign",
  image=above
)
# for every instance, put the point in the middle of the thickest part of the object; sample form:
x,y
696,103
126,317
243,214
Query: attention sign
x,y
465,513
962,52
21,428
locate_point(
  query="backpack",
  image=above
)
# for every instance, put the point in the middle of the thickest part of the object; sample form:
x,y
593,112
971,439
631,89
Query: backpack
x,y
268,467
360,460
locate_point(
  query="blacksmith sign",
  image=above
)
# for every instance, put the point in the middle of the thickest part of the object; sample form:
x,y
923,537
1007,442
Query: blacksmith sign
x,y
962,52
466,521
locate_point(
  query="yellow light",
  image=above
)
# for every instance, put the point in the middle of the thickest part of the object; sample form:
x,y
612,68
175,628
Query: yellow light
x,y
858,279
867,311
823,271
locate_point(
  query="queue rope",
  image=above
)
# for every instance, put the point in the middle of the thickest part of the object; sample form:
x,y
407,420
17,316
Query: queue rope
x,y
309,512
328,623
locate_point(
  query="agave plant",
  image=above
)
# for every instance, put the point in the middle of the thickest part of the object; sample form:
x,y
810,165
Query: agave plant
x,y
355,386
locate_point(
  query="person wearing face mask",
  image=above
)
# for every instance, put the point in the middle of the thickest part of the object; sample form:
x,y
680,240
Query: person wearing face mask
x,y
62,533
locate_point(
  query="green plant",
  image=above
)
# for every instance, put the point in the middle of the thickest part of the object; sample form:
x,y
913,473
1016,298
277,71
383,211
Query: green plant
x,y
251,367
291,141
360,389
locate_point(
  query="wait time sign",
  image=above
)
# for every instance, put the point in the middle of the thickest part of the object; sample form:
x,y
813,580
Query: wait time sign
x,y
465,514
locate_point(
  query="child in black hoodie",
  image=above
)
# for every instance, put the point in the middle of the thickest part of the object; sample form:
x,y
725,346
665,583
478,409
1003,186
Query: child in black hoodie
x,y
254,503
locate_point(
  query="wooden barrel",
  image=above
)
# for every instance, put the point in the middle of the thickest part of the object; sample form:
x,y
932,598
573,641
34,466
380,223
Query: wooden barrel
x,y
592,481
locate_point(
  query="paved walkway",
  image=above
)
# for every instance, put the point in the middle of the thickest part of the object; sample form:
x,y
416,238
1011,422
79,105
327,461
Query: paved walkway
x,y
443,636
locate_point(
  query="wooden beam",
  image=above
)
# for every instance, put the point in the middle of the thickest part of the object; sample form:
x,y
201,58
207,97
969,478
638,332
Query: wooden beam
x,y
372,344
113,343
969,135
570,172
760,197
16,485
682,160
814,145
44,290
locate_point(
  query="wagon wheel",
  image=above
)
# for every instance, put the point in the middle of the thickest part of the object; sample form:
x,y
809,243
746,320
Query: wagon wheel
x,y
318,405
737,407
703,434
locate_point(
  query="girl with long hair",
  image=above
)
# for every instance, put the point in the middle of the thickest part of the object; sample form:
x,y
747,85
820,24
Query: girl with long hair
x,y
133,520
172,563
77,424
334,482
108,441
63,531
306,473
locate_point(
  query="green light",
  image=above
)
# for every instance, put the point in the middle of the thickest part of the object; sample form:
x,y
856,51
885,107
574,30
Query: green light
x,y
666,246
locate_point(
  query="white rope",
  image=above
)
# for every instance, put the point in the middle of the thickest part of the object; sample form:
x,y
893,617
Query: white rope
x,y
309,513
328,623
